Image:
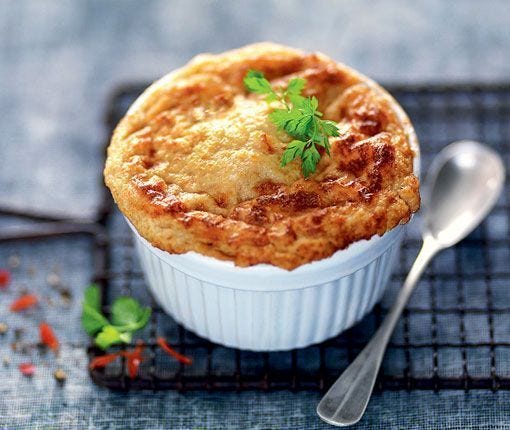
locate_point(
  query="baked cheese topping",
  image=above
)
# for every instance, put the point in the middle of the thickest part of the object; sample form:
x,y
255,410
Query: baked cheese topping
x,y
195,163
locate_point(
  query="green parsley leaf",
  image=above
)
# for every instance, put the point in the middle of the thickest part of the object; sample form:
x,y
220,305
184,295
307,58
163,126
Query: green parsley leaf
x,y
310,159
127,314
310,106
92,297
110,335
299,118
255,82
330,128
272,97
280,117
294,122
295,86
296,100
294,150
92,320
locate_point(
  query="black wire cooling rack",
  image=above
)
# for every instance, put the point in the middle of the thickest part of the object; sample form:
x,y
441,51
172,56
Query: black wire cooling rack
x,y
454,334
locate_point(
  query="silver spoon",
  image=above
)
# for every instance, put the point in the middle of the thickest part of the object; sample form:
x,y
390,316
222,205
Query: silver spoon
x,y
462,186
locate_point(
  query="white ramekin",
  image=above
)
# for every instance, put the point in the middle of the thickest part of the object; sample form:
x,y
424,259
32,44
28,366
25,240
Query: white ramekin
x,y
266,308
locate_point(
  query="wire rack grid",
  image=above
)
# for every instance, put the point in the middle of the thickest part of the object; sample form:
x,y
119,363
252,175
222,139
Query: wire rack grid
x,y
453,334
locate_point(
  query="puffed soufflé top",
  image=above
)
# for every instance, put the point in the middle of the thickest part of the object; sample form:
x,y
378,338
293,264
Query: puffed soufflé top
x,y
195,163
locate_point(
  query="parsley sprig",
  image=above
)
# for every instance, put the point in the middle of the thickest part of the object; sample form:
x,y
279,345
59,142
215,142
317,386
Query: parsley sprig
x,y
299,118
127,316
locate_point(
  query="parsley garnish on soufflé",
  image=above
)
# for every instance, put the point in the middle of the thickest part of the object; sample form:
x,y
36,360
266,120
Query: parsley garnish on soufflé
x,y
299,118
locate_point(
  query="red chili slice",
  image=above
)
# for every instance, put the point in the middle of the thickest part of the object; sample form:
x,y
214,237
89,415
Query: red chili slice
x,y
28,369
5,278
24,302
172,352
47,336
134,359
103,360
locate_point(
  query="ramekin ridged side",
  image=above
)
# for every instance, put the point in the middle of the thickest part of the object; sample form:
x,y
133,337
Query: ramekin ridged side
x,y
287,317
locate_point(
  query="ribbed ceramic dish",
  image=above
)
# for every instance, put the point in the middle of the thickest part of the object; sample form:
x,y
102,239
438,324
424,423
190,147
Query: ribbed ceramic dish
x,y
259,308
266,308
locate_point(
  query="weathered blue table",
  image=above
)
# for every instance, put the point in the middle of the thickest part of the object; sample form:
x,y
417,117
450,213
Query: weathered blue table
x,y
58,62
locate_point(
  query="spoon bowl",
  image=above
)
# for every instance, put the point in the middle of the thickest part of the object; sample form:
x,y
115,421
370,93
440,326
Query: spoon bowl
x,y
462,185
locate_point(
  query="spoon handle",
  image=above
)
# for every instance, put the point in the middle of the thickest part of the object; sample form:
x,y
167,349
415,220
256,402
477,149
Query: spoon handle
x,y
346,401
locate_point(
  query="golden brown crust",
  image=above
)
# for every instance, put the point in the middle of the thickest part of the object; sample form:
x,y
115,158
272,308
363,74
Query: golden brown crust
x,y
194,165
